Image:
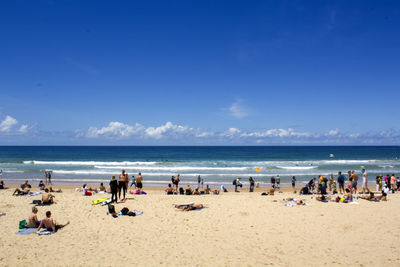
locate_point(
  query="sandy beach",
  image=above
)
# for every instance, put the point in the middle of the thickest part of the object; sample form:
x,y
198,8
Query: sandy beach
x,y
235,229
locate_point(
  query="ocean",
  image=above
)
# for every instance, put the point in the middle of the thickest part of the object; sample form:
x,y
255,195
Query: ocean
x,y
216,164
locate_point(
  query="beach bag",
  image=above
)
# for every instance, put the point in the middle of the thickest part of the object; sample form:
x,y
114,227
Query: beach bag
x,y
124,211
37,202
22,224
111,208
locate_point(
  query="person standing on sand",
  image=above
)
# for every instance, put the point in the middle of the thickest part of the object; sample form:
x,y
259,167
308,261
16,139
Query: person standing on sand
x,y
278,182
139,181
330,182
364,182
176,181
252,183
237,183
122,184
273,182
354,181
114,189
198,181
293,182
340,181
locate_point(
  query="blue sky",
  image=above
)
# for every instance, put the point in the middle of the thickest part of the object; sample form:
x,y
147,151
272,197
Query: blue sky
x,y
199,72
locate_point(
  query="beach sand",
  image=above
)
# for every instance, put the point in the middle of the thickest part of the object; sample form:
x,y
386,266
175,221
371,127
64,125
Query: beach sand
x,y
236,229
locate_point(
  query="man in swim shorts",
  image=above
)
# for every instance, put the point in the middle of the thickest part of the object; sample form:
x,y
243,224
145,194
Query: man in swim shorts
x,y
139,181
50,224
354,181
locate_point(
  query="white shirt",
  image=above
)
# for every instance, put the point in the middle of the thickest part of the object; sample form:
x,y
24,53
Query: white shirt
x,y
365,179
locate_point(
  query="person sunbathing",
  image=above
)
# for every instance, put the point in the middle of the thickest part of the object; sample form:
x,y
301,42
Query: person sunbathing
x,y
55,190
33,221
19,192
196,192
47,198
188,207
50,224
371,197
320,198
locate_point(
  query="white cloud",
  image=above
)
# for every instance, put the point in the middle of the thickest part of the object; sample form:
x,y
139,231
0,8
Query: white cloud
x,y
168,128
7,124
23,129
114,129
184,134
277,133
239,110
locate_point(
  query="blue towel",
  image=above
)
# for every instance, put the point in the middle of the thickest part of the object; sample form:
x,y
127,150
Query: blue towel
x,y
33,194
26,231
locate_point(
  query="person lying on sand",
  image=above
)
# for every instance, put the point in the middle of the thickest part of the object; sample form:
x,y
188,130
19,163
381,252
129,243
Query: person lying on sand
x,y
19,192
33,221
55,190
50,224
320,198
371,196
188,207
47,198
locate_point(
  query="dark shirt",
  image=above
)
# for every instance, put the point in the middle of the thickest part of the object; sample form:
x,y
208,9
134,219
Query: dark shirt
x,y
341,178
114,185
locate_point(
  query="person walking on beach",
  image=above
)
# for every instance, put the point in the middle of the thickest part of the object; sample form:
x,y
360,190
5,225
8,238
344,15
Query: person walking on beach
x,y
273,182
340,181
133,181
122,184
293,182
364,182
139,181
114,189
252,183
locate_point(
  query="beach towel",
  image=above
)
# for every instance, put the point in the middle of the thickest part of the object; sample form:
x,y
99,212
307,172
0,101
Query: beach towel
x,y
292,203
26,231
45,232
137,212
2,214
33,194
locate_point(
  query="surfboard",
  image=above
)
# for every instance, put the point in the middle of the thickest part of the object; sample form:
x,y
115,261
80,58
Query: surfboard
x,y
105,202
99,200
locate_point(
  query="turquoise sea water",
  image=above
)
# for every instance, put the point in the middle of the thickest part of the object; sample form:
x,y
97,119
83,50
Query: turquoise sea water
x,y
217,165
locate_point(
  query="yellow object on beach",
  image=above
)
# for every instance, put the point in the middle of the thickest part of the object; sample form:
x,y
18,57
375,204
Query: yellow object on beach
x,y
258,169
99,200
